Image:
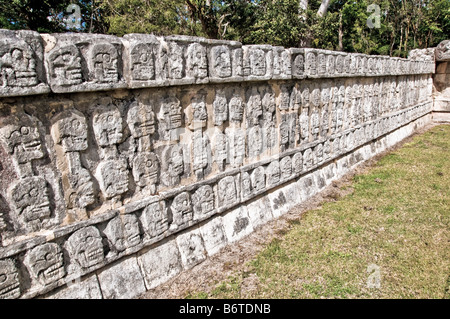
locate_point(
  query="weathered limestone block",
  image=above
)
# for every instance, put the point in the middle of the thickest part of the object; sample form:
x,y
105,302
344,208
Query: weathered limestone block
x,y
84,63
86,288
213,235
237,224
122,280
191,247
160,263
259,212
21,63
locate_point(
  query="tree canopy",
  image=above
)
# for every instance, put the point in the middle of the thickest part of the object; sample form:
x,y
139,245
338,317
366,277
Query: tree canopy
x,y
401,25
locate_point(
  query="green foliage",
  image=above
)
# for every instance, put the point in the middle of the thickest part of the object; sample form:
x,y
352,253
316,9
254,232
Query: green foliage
x,y
404,24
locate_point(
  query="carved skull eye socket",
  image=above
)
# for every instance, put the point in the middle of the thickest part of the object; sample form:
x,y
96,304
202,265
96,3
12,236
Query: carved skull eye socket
x,y
143,57
3,278
17,54
34,192
24,130
106,57
89,240
149,163
109,118
49,256
76,124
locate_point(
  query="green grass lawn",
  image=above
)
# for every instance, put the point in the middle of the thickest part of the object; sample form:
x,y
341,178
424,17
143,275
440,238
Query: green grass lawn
x,y
389,238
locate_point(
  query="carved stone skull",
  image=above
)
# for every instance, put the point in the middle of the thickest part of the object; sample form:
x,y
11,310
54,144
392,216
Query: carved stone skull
x,y
123,232
71,131
107,123
29,197
65,66
9,280
141,119
85,247
45,263
20,137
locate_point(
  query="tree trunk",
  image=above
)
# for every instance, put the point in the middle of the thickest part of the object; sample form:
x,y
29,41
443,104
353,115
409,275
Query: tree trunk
x,y
323,8
302,7
341,33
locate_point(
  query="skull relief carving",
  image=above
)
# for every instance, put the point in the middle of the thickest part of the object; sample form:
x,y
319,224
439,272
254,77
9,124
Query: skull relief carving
x,y
29,197
20,137
221,61
203,200
17,64
154,219
107,123
227,191
45,263
113,177
141,119
9,280
196,61
85,247
142,62
71,131
65,66
104,63
123,232
181,209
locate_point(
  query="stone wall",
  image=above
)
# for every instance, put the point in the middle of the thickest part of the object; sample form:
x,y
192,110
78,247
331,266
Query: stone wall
x,y
126,160
441,82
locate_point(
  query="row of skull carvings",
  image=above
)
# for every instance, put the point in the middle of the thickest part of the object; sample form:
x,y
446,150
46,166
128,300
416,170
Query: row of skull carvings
x,y
154,170
81,62
96,245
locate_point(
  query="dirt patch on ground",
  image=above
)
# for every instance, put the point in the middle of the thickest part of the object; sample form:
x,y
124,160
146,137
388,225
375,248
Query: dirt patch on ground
x,y
233,258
